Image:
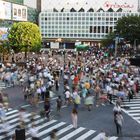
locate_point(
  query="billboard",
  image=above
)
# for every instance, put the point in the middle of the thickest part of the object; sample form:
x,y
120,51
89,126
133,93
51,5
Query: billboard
x,y
19,12
3,33
125,5
54,45
5,10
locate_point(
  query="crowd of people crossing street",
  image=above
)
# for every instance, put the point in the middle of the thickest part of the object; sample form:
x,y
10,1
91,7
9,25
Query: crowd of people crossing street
x,y
90,79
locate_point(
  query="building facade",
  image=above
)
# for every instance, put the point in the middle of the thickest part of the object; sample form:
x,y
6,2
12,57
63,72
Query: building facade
x,y
79,25
84,19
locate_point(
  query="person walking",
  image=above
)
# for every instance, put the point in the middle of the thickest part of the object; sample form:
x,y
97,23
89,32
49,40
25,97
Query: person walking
x,y
47,109
74,116
119,122
33,131
59,104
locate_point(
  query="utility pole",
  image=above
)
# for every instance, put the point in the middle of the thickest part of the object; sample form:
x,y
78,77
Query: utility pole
x,y
135,46
116,44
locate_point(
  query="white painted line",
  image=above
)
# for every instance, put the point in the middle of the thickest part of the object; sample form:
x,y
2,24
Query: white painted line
x,y
87,134
113,138
11,112
135,107
44,125
129,105
61,131
134,114
131,111
23,106
68,136
64,129
132,102
51,128
14,126
12,116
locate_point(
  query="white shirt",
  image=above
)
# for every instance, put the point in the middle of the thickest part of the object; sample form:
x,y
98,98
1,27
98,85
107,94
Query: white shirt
x,y
33,132
67,93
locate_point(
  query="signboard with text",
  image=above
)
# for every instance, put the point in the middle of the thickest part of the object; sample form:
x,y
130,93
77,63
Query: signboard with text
x,y
5,10
19,12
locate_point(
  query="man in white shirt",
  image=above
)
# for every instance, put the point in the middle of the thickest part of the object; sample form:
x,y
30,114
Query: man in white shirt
x,y
33,131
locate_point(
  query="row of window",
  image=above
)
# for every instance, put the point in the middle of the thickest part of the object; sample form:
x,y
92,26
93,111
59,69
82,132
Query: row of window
x,y
87,19
52,14
73,35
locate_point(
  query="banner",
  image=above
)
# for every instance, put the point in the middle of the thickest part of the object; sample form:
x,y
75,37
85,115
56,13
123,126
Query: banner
x,y
19,12
5,10
3,33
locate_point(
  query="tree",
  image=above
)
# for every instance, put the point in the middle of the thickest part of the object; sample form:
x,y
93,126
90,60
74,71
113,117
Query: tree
x,y
108,40
129,28
24,36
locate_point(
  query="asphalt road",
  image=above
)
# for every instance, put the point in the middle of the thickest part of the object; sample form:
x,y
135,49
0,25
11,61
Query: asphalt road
x,y
100,118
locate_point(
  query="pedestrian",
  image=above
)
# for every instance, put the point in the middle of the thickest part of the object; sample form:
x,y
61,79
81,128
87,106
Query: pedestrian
x,y
119,123
74,116
33,131
2,113
77,101
47,109
89,101
116,109
53,135
59,103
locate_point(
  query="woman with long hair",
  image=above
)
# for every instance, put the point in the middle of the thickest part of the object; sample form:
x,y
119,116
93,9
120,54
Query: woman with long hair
x,y
74,116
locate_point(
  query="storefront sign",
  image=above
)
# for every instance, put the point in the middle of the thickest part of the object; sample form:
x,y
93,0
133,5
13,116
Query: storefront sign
x,y
108,4
19,12
5,10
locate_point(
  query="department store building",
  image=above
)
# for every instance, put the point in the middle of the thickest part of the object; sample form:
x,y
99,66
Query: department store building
x,y
82,20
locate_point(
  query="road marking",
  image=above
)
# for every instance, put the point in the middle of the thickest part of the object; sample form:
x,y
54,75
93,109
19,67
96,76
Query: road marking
x,y
68,136
87,134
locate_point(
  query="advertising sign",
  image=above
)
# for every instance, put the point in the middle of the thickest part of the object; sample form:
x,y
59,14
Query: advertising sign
x,y
19,12
3,33
54,45
5,10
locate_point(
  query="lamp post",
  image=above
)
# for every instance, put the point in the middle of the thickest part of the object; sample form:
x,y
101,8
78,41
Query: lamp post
x,y
116,44
135,46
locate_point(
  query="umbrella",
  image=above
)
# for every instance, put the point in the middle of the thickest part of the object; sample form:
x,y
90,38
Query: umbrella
x,y
121,94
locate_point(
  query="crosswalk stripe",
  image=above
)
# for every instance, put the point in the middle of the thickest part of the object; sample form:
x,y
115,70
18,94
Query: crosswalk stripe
x,y
113,138
130,105
68,136
132,108
87,134
11,112
135,107
65,131
51,128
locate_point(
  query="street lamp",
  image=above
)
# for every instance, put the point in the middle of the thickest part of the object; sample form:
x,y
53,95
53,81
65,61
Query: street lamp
x,y
135,46
116,44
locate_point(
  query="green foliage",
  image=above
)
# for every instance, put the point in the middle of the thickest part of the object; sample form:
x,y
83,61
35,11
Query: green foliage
x,y
129,28
32,15
24,36
108,40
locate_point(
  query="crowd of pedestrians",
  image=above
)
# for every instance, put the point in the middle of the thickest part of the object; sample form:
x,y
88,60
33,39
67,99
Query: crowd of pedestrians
x,y
91,78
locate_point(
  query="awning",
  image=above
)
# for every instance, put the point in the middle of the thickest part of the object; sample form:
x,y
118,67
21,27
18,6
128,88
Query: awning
x,y
82,47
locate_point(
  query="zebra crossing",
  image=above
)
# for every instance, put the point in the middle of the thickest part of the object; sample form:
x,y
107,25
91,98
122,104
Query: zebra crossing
x,y
65,131
132,108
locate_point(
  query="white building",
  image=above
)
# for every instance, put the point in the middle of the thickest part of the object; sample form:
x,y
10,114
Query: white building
x,y
82,19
